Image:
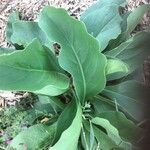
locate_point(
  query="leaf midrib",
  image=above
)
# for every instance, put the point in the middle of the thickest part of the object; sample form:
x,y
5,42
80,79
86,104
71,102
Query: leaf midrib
x,y
76,57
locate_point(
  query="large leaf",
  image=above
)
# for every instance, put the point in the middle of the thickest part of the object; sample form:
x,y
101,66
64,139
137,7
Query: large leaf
x,y
133,51
130,21
127,129
65,119
34,138
32,70
79,51
9,29
25,31
112,132
116,69
128,95
103,20
69,138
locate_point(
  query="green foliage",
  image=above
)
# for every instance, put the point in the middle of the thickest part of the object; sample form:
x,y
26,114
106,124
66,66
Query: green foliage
x,y
86,98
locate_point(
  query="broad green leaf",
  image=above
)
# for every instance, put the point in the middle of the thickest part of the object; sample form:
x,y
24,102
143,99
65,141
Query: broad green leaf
x,y
130,21
69,138
104,141
79,51
134,51
9,30
112,132
102,104
116,69
34,138
25,31
32,70
135,17
128,95
127,129
54,101
6,50
103,20
65,119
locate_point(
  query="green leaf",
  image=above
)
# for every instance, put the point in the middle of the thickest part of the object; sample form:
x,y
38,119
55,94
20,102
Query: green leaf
x,y
135,17
104,142
32,70
127,129
6,50
25,31
34,138
65,119
112,132
69,138
116,69
134,51
128,95
103,20
102,104
92,138
9,30
130,21
79,51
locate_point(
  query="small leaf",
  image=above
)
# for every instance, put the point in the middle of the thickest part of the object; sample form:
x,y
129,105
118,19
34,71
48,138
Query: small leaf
x,y
116,69
36,137
127,129
105,142
6,50
32,70
135,17
79,53
9,30
69,138
103,20
25,31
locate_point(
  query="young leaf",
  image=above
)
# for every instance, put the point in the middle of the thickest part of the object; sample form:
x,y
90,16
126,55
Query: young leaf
x,y
103,20
128,96
105,142
36,137
9,30
25,31
116,69
135,17
127,129
133,51
79,51
32,70
6,50
112,132
69,138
